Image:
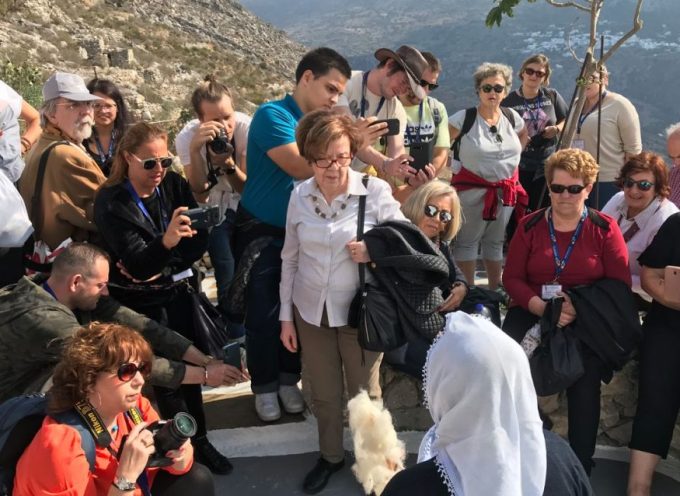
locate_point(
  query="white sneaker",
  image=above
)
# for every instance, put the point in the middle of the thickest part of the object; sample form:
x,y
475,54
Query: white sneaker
x,y
267,407
292,399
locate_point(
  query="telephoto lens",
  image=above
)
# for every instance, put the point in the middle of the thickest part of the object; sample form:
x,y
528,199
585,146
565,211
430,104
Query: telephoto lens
x,y
170,436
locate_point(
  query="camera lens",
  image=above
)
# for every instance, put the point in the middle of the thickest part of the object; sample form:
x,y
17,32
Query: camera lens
x,y
185,425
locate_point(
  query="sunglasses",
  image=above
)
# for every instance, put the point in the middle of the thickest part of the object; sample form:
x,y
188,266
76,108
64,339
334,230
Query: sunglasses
x,y
573,189
532,72
498,88
150,163
494,130
432,211
128,371
643,185
428,85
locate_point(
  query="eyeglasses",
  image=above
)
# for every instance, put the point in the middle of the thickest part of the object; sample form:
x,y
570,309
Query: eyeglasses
x,y
150,163
573,189
498,88
430,86
494,130
444,216
532,72
325,163
104,106
71,106
128,371
643,185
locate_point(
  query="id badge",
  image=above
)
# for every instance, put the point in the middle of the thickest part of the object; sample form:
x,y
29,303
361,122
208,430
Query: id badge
x,y
578,143
549,291
182,275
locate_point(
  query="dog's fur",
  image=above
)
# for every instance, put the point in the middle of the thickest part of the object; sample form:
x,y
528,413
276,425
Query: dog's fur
x,y
379,453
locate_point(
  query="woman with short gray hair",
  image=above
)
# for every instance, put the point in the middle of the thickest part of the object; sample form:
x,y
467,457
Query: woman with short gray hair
x,y
488,142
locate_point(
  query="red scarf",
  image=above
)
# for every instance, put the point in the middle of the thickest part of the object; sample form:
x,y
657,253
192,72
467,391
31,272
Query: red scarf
x,y
512,191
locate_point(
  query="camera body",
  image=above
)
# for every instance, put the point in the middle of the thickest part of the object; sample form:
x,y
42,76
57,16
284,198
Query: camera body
x,y
170,435
204,217
220,145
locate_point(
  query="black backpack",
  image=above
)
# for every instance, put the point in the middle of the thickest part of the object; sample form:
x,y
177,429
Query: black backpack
x,y
20,420
470,116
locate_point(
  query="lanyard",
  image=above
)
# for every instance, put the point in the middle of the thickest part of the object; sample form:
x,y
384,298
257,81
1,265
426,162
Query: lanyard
x,y
364,102
145,212
417,139
47,288
582,118
103,157
560,264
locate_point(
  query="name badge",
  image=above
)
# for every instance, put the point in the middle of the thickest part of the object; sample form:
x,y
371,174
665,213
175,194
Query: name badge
x,y
549,291
182,275
578,143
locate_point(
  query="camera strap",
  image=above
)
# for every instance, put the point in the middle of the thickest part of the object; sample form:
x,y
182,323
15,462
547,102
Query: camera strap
x,y
94,423
212,172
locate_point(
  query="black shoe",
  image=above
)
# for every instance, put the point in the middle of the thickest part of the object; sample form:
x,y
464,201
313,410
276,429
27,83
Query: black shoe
x,y
318,477
207,454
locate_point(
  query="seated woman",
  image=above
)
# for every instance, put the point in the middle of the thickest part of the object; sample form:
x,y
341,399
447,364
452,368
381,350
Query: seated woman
x,y
487,437
105,366
554,250
640,209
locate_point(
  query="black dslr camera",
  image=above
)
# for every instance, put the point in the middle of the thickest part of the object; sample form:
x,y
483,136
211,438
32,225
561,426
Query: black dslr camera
x,y
170,435
220,145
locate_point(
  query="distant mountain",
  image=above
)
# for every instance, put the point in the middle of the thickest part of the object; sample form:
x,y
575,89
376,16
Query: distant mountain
x,y
646,69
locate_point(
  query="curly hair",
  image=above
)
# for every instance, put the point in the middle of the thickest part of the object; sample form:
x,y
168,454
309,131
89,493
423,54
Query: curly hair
x,y
647,161
318,129
414,207
577,163
489,69
93,349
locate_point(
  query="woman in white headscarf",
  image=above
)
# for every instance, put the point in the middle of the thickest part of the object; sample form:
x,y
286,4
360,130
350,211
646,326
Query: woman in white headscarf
x,y
487,437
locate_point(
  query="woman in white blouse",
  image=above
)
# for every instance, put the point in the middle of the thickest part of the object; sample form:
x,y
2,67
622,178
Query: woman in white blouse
x,y
641,208
320,277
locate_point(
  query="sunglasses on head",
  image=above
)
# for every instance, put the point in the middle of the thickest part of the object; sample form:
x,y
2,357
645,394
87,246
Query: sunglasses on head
x,y
150,163
532,72
498,88
428,85
432,211
643,185
573,189
128,371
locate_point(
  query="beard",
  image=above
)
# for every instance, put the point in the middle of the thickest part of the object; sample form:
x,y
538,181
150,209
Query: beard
x,y
82,131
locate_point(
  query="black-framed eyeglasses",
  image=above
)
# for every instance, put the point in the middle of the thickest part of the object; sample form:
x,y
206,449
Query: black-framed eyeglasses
x,y
494,130
128,371
325,163
150,163
430,86
643,185
533,72
572,189
498,88
432,211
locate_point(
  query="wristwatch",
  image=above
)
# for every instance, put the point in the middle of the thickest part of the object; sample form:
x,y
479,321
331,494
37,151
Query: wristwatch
x,y
230,170
122,484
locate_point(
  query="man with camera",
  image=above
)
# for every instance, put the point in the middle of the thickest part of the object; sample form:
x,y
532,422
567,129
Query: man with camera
x,y
212,149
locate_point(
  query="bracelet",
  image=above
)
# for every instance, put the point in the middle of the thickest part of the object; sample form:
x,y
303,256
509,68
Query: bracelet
x,y
27,143
205,376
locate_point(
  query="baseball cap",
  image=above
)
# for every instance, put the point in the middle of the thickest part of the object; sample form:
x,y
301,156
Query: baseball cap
x,y
413,63
67,85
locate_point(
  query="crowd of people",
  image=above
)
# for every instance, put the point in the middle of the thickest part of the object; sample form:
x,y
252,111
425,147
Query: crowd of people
x,y
99,254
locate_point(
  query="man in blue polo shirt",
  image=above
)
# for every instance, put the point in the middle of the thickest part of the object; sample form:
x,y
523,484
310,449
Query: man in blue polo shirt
x,y
274,163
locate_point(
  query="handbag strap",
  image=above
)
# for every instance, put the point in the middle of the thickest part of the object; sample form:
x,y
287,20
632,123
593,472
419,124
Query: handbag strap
x,y
360,233
36,199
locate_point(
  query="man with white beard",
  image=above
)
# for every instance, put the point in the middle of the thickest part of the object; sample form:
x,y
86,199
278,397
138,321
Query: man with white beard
x,y
64,202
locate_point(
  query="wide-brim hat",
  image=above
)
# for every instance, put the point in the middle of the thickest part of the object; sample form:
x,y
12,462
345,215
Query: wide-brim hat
x,y
67,85
413,63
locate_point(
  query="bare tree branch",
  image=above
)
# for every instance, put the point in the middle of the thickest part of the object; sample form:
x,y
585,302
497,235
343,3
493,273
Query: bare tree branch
x,y
579,6
637,25
596,6
567,40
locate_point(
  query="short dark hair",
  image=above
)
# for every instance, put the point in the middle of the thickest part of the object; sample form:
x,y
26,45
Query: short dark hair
x,y
433,62
321,61
78,258
647,161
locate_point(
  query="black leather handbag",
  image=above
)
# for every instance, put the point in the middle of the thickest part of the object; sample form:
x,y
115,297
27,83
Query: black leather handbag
x,y
373,310
210,328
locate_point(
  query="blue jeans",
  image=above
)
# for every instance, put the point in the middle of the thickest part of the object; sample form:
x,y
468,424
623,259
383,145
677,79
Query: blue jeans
x,y
222,258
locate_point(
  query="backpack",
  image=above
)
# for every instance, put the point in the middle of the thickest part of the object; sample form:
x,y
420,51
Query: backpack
x,y
436,116
20,420
470,116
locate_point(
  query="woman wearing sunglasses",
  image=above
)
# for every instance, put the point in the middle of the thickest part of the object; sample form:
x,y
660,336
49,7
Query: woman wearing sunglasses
x,y
544,111
140,214
640,209
102,371
486,176
553,250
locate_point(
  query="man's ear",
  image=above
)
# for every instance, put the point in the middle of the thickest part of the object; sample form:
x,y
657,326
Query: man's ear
x,y
74,281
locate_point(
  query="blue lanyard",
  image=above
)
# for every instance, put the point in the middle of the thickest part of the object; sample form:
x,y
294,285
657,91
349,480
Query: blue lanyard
x,y
47,288
560,264
143,483
145,212
364,102
103,157
420,124
582,118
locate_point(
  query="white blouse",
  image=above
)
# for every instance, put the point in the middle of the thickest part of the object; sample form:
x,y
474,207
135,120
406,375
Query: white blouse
x,y
317,269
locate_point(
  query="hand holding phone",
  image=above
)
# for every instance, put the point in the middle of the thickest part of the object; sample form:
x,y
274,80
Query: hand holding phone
x,y
392,126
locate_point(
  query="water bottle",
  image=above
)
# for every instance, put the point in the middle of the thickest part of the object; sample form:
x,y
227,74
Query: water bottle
x,y
481,311
531,340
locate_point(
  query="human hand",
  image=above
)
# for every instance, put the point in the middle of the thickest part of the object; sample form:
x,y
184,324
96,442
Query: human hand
x,y
424,175
550,132
179,227
136,452
182,456
358,251
206,132
289,336
399,167
568,313
369,132
125,273
458,292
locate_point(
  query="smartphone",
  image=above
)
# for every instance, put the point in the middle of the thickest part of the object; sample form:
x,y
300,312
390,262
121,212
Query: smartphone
x,y
232,354
392,126
204,217
422,155
672,284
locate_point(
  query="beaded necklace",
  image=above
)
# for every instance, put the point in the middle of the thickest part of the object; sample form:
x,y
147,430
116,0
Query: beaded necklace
x,y
318,211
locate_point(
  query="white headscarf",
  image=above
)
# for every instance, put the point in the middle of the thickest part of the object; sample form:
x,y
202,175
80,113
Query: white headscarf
x,y
487,438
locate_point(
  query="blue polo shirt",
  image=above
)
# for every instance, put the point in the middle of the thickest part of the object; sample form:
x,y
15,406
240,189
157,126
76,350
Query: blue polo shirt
x,y
267,190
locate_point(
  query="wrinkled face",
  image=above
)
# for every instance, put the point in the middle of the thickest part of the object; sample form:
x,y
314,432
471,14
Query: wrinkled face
x,y
531,77
321,92
637,199
88,289
565,203
73,119
432,227
337,159
673,146
492,98
105,110
111,396
141,178
221,112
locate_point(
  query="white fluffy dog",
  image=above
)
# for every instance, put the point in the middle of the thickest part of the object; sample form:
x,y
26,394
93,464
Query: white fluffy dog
x,y
379,453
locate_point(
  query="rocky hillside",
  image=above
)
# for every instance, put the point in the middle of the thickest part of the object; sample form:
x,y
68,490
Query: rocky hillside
x,y
155,50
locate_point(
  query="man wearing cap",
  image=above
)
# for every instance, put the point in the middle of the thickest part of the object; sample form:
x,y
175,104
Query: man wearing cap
x,y
375,94
71,176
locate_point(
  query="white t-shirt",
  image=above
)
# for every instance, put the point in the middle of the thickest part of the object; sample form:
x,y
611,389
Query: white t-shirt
x,y
10,96
222,194
11,162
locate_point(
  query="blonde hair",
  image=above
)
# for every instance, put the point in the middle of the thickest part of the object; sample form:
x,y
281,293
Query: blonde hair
x,y
414,207
575,162
136,136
